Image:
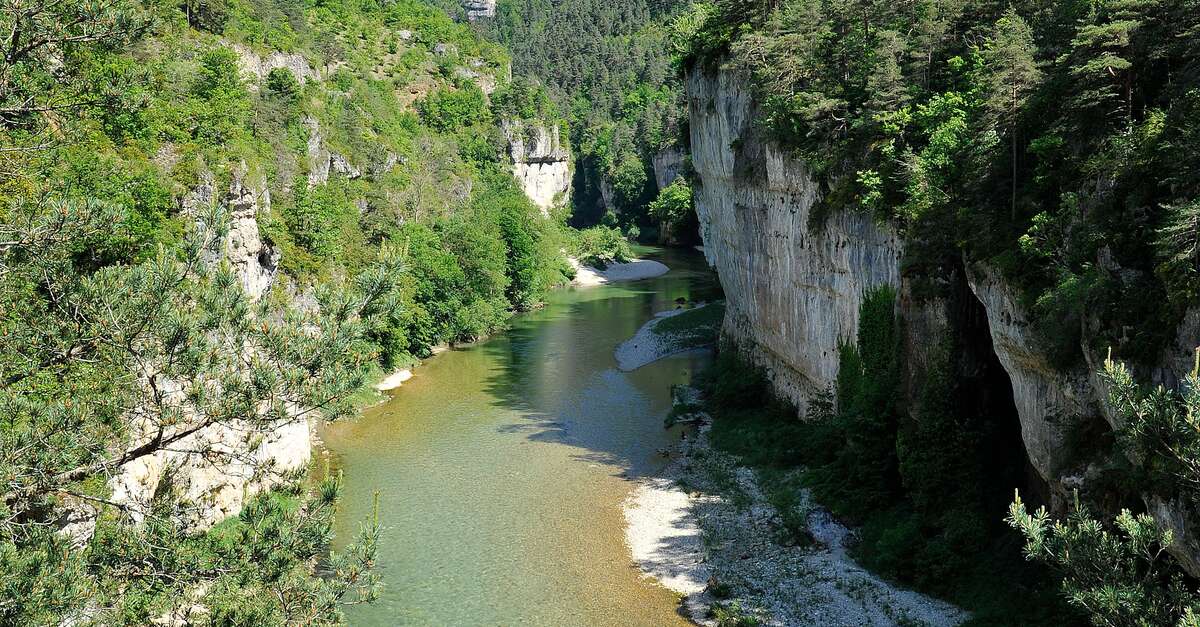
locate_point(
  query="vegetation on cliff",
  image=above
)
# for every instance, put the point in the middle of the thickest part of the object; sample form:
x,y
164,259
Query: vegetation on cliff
x,y
1051,139
607,67
926,488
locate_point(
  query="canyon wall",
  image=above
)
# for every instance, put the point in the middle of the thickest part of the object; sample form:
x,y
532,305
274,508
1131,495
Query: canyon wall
x,y
794,285
214,471
793,290
541,162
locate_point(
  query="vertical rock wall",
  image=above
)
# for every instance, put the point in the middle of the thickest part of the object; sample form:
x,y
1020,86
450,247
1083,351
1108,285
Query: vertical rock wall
x,y
215,470
793,289
541,162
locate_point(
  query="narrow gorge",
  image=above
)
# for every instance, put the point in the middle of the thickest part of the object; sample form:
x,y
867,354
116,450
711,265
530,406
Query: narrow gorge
x,y
579,312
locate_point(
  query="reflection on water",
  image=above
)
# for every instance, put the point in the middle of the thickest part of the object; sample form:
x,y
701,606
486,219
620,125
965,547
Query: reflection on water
x,y
502,467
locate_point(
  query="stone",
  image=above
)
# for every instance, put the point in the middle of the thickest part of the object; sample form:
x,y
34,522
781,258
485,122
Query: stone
x,y
668,166
256,67
793,290
541,162
794,287
479,9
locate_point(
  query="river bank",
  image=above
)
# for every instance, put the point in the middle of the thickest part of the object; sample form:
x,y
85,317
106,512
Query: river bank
x,y
502,466
705,529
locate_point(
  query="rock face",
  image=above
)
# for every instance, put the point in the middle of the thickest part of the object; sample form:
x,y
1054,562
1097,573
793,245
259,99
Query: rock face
x,y
256,67
541,162
479,9
668,166
254,261
793,290
322,161
215,470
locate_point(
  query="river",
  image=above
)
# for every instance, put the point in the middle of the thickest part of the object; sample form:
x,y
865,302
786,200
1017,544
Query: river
x,y
502,467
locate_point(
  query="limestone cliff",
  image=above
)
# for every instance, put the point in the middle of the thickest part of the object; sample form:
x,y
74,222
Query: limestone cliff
x,y
668,166
216,469
793,291
541,162
479,9
794,286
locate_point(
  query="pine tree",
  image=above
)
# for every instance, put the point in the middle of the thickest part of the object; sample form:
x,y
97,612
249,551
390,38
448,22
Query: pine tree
x,y
104,367
1014,74
885,86
1120,575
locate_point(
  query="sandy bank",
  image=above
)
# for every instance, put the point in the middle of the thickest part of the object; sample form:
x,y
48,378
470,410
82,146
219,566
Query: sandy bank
x,y
394,380
704,528
587,276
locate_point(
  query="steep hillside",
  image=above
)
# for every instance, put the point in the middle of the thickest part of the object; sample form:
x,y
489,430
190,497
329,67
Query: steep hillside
x,y
219,219
607,66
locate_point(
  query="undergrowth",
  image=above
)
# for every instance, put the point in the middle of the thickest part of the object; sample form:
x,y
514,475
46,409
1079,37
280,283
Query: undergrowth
x,y
919,494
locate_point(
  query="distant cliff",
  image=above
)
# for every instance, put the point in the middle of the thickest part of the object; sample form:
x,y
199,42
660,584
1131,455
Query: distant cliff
x,y
541,162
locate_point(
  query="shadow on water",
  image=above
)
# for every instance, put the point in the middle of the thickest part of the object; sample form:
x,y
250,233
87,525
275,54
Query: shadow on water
x,y
595,407
503,466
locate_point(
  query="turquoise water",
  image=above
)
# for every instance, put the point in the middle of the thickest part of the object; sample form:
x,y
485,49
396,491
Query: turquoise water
x,y
502,467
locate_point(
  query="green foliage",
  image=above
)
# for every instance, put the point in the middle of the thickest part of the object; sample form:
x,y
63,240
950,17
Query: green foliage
x,y
974,120
1118,576
447,110
283,83
1160,428
599,246
71,375
606,66
116,304
524,99
674,203
923,488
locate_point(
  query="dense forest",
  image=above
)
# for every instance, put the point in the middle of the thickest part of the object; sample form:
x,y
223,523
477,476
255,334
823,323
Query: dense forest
x,y
1042,136
607,66
219,218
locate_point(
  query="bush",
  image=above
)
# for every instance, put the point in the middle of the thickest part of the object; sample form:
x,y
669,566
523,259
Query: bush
x,y
448,110
600,246
283,84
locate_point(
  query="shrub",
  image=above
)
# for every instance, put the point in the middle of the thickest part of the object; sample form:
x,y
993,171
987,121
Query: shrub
x,y
283,84
600,246
448,110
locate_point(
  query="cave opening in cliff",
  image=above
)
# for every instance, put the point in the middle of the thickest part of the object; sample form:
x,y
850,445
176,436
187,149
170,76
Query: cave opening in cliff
x,y
987,398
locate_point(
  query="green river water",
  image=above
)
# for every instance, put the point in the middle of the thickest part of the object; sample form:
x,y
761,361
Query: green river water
x,y
502,467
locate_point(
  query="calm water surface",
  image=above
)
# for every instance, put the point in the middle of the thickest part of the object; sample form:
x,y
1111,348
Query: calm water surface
x,y
502,467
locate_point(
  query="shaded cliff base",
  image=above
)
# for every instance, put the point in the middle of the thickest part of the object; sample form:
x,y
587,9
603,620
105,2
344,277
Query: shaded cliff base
x,y
708,529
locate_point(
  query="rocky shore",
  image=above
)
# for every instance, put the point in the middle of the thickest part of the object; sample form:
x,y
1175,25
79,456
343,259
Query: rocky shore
x,y
705,529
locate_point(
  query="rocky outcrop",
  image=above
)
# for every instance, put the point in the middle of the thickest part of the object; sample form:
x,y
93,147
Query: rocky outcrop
x,y
793,287
256,67
255,262
541,162
322,161
1048,401
668,166
479,9
214,470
